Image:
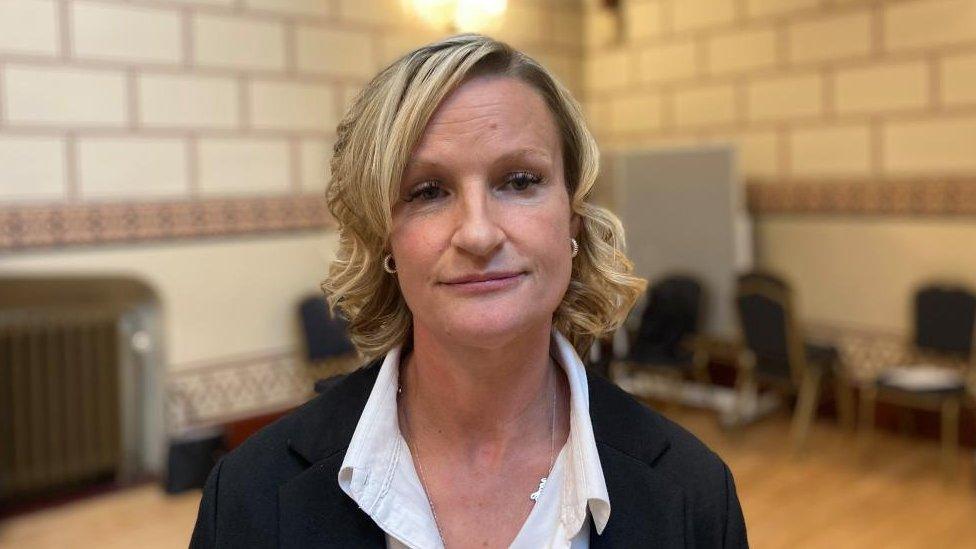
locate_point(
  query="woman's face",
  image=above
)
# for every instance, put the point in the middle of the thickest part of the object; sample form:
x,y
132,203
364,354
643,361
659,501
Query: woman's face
x,y
482,224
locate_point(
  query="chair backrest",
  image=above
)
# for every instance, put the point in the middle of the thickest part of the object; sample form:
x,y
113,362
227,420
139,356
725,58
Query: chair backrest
x,y
672,312
325,335
764,303
945,319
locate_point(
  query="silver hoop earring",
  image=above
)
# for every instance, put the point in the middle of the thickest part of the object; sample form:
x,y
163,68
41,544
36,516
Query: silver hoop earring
x,y
387,262
573,243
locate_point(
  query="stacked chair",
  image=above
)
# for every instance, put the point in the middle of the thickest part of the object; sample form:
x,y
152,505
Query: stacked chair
x,y
776,355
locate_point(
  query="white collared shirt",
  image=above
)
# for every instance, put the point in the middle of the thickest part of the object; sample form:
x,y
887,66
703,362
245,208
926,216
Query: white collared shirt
x,y
378,472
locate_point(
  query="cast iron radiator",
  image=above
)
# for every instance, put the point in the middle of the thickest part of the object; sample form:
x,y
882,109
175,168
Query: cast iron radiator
x,y
60,413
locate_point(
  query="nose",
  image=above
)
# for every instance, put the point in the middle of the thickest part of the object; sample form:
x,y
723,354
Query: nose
x,y
477,232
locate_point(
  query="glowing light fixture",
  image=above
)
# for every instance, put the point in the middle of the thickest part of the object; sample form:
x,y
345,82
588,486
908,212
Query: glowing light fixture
x,y
460,15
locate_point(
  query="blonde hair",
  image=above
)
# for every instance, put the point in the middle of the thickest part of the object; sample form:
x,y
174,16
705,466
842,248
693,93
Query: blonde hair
x,y
374,142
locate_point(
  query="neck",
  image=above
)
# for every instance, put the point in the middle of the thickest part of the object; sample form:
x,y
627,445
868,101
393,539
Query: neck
x,y
474,396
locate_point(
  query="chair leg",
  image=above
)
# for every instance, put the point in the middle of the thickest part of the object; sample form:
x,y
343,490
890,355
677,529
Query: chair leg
x,y
950,438
618,370
866,416
972,466
699,361
806,408
674,381
844,395
745,389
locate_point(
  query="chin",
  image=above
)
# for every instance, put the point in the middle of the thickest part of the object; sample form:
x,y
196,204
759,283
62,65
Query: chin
x,y
494,328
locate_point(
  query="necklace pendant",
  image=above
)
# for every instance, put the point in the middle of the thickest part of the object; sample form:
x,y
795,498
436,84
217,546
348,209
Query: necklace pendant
x,y
542,484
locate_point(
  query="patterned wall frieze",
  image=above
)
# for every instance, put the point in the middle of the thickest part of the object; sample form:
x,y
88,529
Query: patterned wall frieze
x,y
946,197
60,225
245,386
64,225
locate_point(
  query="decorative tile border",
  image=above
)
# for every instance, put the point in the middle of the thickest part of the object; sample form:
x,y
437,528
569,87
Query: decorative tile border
x,y
949,197
244,387
43,226
59,225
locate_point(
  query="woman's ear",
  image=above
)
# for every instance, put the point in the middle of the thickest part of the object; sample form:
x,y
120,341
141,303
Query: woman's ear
x,y
574,225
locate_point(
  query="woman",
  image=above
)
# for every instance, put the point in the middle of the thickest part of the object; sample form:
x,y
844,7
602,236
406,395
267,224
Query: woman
x,y
473,271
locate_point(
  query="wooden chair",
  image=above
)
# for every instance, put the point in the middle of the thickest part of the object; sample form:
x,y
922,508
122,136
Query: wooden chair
x,y
945,319
775,354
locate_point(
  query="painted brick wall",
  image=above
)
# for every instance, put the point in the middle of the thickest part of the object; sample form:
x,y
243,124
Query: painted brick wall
x,y
182,99
847,89
205,127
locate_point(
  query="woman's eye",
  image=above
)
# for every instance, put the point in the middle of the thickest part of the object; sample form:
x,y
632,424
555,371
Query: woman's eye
x,y
428,190
521,181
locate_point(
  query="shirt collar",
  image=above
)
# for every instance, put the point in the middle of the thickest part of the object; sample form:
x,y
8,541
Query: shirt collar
x,y
374,449
584,487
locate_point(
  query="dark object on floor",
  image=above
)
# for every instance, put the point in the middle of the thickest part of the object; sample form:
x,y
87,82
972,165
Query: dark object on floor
x,y
191,457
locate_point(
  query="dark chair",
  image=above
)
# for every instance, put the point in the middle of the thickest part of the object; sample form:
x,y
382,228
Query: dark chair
x,y
326,343
945,318
776,355
944,323
672,314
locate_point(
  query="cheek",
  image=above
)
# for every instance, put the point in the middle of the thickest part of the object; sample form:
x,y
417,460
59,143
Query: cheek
x,y
545,237
548,229
415,251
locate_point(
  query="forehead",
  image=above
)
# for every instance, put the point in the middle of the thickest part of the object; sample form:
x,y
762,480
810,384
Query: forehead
x,y
486,113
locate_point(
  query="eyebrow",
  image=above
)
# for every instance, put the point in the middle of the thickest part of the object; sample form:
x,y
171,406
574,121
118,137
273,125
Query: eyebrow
x,y
517,154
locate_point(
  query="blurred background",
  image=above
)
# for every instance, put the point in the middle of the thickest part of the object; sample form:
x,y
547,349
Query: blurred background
x,y
797,179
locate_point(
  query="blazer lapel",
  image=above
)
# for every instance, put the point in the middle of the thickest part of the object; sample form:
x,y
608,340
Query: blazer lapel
x,y
647,509
313,511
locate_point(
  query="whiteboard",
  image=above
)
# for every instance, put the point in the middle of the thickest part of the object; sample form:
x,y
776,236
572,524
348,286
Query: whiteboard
x,y
683,211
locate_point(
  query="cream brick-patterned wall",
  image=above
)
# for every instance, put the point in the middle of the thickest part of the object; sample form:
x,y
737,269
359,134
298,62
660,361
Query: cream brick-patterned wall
x,y
879,89
184,99
211,122
836,95
892,80
196,100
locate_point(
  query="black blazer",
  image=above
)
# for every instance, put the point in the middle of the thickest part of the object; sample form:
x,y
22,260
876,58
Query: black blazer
x,y
280,488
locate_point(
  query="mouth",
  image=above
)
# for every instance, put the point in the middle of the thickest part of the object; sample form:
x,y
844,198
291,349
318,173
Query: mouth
x,y
482,277
484,282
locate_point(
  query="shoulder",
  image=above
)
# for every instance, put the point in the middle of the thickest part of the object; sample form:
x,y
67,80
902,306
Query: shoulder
x,y
322,425
242,490
624,425
636,442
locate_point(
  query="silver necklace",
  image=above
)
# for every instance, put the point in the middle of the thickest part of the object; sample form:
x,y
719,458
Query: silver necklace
x,y
534,496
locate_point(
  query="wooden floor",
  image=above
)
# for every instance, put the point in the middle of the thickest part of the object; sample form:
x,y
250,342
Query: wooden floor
x,y
892,496
832,498
142,518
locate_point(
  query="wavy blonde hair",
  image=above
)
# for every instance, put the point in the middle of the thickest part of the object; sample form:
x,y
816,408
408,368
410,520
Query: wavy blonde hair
x,y
374,142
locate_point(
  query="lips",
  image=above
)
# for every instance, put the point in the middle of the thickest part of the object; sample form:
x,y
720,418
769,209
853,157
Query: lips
x,y
475,278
